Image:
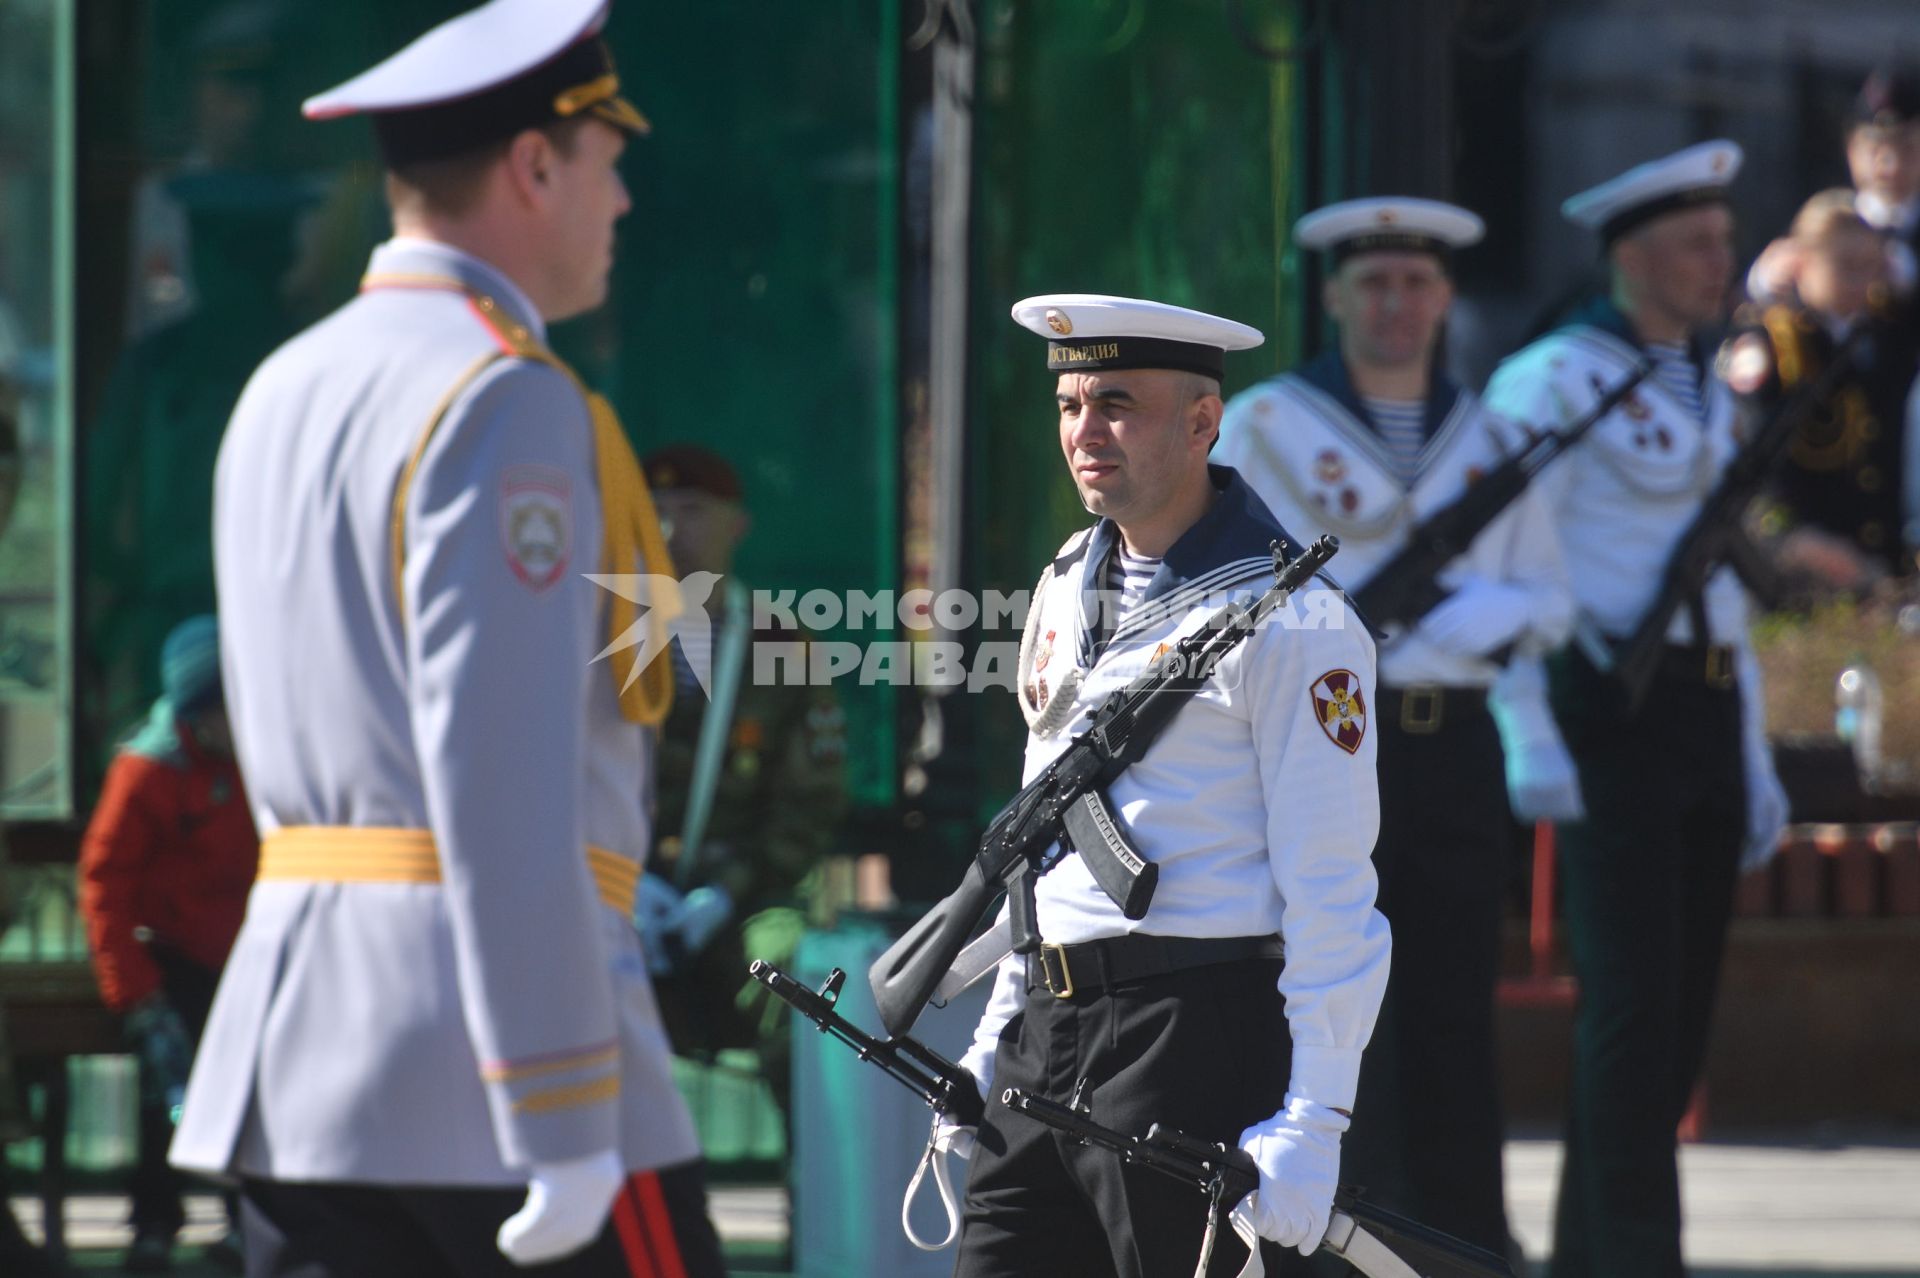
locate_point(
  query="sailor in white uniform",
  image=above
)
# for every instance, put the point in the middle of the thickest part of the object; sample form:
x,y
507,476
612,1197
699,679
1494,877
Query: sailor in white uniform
x,y
435,1050
1365,442
1257,803
1676,790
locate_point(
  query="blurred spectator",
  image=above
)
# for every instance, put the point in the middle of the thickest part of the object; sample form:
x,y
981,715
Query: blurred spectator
x,y
149,458
1883,155
751,787
1839,493
1883,159
165,868
231,57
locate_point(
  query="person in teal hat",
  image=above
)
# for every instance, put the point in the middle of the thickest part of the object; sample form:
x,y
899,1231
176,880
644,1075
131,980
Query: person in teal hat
x,y
165,868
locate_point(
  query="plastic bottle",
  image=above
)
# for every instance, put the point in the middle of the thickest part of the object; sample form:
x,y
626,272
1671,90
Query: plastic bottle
x,y
1857,707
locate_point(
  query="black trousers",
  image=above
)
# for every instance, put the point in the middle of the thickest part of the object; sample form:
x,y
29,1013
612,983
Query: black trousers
x,y
658,1229
155,1189
1205,1050
1649,880
1427,1129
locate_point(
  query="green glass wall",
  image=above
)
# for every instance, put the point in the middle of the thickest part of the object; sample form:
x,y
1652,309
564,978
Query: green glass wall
x,y
1154,150
752,310
36,263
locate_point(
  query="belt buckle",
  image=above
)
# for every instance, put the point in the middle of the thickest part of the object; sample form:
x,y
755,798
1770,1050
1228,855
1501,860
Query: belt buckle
x,y
1421,708
1719,666
1053,959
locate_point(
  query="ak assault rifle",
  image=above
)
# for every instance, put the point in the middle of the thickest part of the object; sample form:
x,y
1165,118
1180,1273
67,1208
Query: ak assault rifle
x,y
1407,587
948,1090
1066,804
1378,1243
1715,535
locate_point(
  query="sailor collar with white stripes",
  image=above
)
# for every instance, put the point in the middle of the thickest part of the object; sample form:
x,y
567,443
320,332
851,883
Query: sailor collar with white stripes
x,y
1232,541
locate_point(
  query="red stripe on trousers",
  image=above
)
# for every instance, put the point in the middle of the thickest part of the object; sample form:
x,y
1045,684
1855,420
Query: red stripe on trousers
x,y
659,1225
633,1237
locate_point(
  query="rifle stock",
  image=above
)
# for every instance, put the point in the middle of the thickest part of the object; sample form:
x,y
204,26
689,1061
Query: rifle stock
x,y
906,975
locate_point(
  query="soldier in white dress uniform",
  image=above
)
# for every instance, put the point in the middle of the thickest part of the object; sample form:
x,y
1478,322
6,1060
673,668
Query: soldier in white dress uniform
x,y
1257,803
1365,442
435,1050
1679,788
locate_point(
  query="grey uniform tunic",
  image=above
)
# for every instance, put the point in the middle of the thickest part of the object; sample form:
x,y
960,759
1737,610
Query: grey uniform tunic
x,y
455,1032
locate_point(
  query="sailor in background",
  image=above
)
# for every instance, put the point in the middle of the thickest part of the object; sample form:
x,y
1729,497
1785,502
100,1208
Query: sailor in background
x,y
1679,788
1846,499
1882,145
1365,442
434,1051
1257,803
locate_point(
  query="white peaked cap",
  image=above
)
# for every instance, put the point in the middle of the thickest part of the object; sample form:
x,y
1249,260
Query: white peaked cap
x,y
1389,223
1088,332
1698,175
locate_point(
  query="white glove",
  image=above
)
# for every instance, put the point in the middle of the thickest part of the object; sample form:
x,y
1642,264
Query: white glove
x,y
654,907
1298,1154
673,927
567,1206
1542,782
1478,617
701,915
950,1136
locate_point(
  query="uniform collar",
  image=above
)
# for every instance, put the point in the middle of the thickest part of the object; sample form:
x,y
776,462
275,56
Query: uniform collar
x,y
1329,373
1895,219
1601,313
407,258
1236,526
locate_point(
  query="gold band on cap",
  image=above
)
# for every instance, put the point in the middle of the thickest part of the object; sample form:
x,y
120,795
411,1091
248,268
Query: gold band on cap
x,y
581,96
622,114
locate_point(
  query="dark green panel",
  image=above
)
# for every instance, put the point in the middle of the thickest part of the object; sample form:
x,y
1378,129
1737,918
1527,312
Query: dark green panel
x,y
753,307
1125,147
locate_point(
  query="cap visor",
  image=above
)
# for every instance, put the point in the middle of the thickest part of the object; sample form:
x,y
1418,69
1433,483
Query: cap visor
x,y
623,115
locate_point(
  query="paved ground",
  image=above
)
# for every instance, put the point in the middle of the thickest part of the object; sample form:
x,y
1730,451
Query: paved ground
x,y
1782,1207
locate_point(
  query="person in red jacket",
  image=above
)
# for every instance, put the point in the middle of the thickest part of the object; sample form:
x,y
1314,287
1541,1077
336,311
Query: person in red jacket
x,y
165,868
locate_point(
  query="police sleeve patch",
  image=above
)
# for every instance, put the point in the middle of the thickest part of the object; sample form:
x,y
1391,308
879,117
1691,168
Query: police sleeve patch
x,y
1340,708
536,523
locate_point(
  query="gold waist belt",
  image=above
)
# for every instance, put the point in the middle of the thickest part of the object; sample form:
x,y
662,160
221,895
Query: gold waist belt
x,y
384,854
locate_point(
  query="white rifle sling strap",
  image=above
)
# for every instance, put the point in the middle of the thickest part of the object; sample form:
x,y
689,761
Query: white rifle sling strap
x,y
939,1148
981,956
1348,1240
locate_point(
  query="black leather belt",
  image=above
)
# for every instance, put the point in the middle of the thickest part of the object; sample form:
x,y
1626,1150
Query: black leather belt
x,y
1420,709
1066,970
1709,664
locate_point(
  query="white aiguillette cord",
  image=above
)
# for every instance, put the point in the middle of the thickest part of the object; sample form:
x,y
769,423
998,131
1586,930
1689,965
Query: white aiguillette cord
x,y
939,1146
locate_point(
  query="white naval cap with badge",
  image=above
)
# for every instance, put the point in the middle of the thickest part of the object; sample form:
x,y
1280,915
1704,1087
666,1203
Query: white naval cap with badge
x,y
1096,332
483,77
1687,179
1392,223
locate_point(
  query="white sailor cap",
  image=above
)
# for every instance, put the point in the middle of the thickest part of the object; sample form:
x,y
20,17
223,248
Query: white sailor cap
x,y
484,76
1389,224
1092,332
1698,175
